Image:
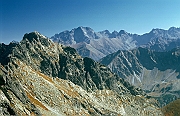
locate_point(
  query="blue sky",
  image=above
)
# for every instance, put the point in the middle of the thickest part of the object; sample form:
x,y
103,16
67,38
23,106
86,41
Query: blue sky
x,y
48,17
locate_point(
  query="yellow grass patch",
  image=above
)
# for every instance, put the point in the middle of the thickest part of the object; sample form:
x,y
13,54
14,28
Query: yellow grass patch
x,y
172,109
45,77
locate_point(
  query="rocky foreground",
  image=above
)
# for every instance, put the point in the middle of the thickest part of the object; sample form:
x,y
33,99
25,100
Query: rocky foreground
x,y
39,77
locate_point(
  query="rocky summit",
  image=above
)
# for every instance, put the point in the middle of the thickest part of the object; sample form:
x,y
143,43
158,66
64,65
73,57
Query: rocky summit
x,y
157,73
40,77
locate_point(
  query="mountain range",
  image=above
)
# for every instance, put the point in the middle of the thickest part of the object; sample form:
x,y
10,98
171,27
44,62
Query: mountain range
x,y
97,45
40,77
137,74
149,61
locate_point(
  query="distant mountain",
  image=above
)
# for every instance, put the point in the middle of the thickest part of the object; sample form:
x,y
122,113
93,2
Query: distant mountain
x,y
40,77
158,73
95,44
160,40
99,44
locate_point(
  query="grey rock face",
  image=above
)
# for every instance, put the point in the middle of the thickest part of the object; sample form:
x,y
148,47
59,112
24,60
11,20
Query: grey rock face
x,y
99,44
11,89
46,78
63,62
155,72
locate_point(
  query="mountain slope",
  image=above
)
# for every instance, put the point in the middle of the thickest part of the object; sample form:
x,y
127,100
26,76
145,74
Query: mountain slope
x,y
155,72
39,77
99,44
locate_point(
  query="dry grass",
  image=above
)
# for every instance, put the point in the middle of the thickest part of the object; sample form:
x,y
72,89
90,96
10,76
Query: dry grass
x,y
33,114
68,89
45,77
172,109
35,102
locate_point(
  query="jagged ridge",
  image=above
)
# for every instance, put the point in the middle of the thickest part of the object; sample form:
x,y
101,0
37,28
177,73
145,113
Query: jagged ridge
x,y
99,44
42,77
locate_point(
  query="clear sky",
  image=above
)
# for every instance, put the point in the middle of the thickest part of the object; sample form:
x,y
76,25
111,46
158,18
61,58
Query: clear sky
x,y
48,17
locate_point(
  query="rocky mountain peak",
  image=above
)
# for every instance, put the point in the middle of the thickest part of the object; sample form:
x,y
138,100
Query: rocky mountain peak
x,y
84,28
157,32
75,36
114,32
81,34
6,51
33,35
122,32
105,32
174,32
45,78
173,28
171,32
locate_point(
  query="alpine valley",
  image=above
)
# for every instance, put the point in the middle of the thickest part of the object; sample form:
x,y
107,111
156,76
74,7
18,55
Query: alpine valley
x,y
157,73
40,77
